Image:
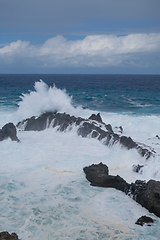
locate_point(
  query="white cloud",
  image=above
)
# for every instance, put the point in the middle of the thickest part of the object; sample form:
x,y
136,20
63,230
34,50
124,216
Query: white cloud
x,y
14,48
95,51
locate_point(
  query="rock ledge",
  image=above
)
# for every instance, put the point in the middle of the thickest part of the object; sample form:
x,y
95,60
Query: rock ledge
x,y
145,193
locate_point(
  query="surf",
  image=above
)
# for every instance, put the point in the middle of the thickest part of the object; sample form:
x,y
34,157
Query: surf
x,y
43,190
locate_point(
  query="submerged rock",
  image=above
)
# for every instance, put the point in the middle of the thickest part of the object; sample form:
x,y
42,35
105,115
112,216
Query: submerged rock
x,y
145,220
92,127
146,194
7,236
137,168
8,131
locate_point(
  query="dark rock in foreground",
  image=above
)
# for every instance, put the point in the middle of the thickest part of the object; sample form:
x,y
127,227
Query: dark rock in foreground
x,y
7,236
98,175
92,127
146,194
145,220
8,131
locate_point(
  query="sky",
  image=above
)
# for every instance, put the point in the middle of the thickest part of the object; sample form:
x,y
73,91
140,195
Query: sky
x,y
80,36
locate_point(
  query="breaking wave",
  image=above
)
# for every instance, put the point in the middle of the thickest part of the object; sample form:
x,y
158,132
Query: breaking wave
x,y
45,99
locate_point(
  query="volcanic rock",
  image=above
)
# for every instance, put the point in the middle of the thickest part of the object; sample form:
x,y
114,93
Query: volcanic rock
x,y
137,168
96,117
93,127
145,220
8,131
146,194
128,142
97,175
7,236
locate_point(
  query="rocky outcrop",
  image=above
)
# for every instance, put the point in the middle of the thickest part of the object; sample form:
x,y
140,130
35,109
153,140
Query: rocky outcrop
x,y
7,236
8,131
146,194
98,175
92,127
144,220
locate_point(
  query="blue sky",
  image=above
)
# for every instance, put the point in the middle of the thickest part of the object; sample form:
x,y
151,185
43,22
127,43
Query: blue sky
x,y
77,36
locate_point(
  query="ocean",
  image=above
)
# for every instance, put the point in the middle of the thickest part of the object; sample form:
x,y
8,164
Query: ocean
x,y
44,193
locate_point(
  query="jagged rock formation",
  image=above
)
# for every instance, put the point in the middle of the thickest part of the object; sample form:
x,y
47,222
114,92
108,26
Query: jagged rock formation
x,y
92,127
146,194
7,236
8,131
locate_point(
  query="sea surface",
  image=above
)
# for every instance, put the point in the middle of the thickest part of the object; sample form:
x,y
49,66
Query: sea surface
x,y
44,194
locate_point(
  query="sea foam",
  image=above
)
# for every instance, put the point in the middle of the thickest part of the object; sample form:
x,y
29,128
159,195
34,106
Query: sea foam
x,y
43,191
43,183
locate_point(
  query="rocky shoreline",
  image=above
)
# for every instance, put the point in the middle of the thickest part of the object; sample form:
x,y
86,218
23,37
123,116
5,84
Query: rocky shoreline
x,y
93,127
147,194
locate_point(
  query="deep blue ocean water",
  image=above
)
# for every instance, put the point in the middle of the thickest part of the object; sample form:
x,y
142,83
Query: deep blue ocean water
x,y
134,94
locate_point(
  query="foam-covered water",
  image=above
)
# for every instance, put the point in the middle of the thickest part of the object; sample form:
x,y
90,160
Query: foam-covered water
x,y
43,191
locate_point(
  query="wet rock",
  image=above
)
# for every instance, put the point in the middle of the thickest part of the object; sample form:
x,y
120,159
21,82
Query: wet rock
x,y
118,129
96,117
128,142
46,120
137,168
144,152
98,175
92,127
146,194
8,131
7,236
145,220
121,129
157,137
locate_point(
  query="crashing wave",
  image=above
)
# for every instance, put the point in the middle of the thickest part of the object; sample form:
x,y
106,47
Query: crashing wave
x,y
93,127
44,99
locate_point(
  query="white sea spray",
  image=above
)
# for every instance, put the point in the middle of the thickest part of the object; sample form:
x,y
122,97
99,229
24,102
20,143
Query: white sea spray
x,y
44,99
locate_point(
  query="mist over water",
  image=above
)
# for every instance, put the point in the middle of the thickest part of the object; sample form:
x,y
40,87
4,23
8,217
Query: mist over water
x,y
43,191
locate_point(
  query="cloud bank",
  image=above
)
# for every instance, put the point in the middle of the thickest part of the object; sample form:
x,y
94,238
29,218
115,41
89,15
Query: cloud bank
x,y
95,51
